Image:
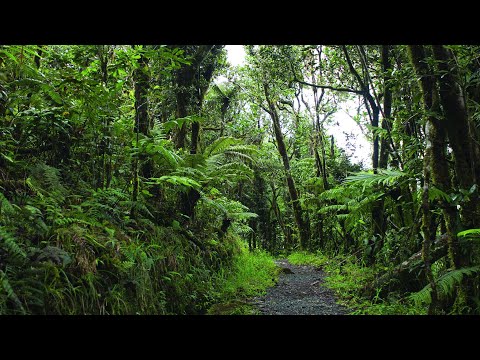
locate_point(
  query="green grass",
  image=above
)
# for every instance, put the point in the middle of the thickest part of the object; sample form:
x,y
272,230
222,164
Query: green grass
x,y
250,275
347,277
304,258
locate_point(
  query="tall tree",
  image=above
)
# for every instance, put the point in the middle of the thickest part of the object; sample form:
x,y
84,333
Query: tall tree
x,y
303,226
142,124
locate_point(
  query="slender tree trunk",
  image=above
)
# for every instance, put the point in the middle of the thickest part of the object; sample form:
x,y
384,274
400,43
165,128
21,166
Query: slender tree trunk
x,y
141,123
376,242
303,226
387,106
428,235
184,81
279,217
324,163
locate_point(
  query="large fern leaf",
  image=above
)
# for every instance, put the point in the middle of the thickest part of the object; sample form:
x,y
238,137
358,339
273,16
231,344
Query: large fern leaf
x,y
445,284
10,244
177,180
220,145
384,177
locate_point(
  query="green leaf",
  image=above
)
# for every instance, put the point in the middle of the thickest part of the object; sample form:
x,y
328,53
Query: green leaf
x,y
176,225
8,158
472,189
435,193
475,232
176,180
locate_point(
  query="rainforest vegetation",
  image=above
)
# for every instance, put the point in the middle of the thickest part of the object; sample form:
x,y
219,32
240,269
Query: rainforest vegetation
x,y
134,180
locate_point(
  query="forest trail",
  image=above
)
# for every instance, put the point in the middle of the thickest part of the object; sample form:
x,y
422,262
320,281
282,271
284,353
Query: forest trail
x,y
299,291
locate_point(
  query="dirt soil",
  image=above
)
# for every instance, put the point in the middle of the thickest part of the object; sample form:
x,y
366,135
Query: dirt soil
x,y
299,291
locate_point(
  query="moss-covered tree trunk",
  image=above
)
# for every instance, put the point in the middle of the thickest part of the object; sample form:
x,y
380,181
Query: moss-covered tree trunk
x,y
302,225
142,125
387,107
462,139
436,140
192,81
464,143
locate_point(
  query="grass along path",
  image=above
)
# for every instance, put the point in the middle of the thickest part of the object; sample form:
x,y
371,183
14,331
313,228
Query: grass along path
x,y
347,277
304,283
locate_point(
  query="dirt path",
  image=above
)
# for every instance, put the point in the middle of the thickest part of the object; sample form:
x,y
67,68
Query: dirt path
x,y
299,291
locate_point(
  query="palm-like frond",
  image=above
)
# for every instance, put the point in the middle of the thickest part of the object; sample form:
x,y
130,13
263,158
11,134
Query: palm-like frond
x,y
220,145
383,177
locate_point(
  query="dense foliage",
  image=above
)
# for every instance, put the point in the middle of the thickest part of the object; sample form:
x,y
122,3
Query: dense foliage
x,y
132,179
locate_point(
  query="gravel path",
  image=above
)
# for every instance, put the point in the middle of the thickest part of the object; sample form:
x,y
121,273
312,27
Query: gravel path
x,y
299,291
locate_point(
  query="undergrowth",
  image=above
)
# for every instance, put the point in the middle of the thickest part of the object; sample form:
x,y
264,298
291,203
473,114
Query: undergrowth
x,y
347,277
252,272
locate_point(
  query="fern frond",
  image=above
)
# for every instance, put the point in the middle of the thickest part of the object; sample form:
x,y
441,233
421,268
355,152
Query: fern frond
x,y
195,173
234,170
361,202
445,284
183,181
11,293
215,203
220,145
6,208
342,216
172,159
337,193
437,194
238,155
334,207
10,244
384,177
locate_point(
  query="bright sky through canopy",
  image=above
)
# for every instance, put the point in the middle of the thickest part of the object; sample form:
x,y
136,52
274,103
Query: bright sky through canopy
x,y
345,130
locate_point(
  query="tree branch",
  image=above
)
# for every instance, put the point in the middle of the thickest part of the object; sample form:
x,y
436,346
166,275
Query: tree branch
x,y
359,92
295,79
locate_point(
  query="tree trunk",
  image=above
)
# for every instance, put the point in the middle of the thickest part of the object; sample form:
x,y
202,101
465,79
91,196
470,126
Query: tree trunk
x,y
462,140
464,143
428,234
376,241
141,122
387,106
436,138
184,80
303,226
278,215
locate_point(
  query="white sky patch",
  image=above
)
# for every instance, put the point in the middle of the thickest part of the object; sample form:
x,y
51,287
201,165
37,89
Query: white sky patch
x,y
349,137
345,130
235,54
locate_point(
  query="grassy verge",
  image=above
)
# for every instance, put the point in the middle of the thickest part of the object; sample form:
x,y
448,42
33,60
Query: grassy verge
x,y
347,277
250,275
